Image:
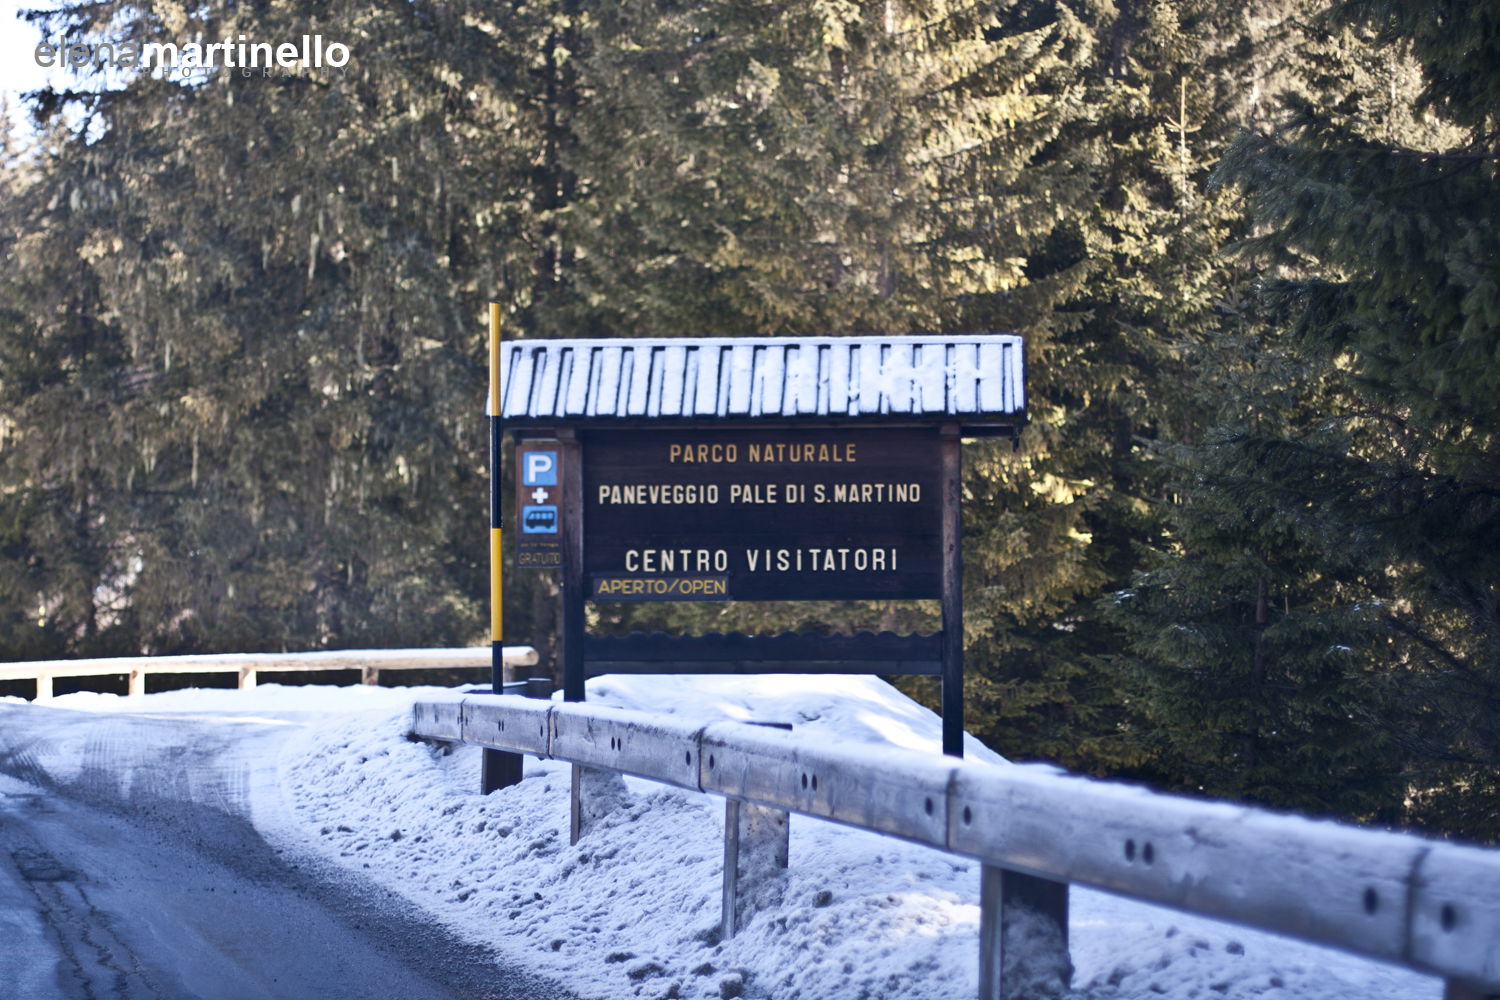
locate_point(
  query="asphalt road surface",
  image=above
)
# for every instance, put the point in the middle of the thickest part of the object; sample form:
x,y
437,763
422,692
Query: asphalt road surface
x,y
139,875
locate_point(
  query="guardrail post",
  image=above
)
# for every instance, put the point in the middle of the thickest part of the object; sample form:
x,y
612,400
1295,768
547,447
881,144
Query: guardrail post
x,y
501,768
369,675
596,793
136,685
43,687
1023,936
247,678
756,852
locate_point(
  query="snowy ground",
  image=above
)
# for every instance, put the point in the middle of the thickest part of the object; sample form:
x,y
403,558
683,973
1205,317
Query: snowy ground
x,y
632,911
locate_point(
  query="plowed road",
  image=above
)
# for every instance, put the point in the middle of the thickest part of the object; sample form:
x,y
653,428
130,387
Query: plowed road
x,y
141,876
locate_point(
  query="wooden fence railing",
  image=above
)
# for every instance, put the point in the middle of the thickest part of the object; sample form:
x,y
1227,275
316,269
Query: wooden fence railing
x,y
369,662
1424,904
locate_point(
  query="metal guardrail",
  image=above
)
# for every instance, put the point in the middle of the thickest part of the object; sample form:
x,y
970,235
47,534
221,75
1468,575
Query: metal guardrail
x,y
1427,905
370,662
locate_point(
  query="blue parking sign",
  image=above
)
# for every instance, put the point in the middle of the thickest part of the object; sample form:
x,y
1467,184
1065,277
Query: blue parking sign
x,y
539,468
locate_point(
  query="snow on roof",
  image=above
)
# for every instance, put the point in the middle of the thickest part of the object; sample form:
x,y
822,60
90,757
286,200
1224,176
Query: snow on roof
x,y
977,379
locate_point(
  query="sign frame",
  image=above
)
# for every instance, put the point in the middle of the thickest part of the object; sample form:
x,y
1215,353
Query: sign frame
x,y
964,385
939,654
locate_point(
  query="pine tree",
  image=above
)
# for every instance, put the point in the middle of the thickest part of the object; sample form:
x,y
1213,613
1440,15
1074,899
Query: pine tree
x,y
1250,661
284,278
819,168
290,274
1358,492
803,169
59,567
1135,279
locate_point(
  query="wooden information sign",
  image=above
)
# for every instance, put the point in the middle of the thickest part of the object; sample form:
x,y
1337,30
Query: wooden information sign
x,y
755,469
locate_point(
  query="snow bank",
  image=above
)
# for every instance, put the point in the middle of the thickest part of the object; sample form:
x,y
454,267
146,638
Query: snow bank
x,y
844,708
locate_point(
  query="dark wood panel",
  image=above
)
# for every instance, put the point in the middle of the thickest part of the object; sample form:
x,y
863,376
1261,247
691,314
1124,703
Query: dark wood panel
x,y
883,668
797,587
759,448
787,521
754,553
733,646
656,501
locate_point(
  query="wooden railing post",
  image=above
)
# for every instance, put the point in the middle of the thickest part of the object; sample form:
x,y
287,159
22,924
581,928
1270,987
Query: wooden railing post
x,y
500,768
595,794
136,685
43,687
1023,936
756,852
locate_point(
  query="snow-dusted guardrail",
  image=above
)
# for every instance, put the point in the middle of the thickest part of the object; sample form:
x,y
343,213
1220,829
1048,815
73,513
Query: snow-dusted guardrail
x,y
370,662
1423,904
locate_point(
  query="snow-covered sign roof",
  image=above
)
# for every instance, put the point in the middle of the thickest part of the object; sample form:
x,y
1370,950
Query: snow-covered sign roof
x,y
975,380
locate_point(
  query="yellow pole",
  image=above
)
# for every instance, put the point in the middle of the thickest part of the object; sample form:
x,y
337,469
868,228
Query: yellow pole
x,y
497,590
499,769
495,359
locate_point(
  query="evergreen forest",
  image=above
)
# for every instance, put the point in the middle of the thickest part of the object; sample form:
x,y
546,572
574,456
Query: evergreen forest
x,y
1249,543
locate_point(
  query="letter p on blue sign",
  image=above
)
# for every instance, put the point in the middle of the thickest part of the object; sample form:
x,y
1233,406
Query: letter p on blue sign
x,y
539,468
